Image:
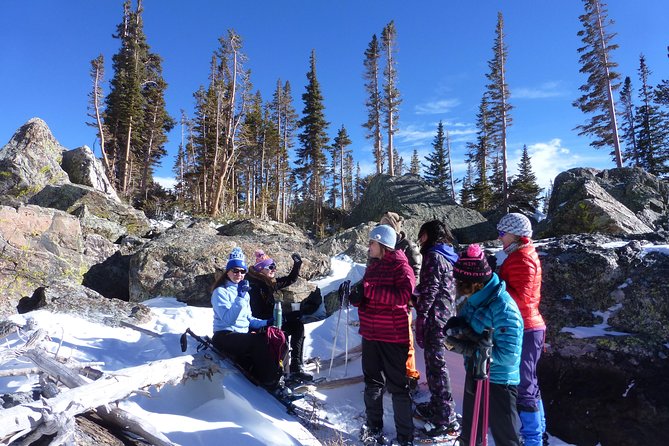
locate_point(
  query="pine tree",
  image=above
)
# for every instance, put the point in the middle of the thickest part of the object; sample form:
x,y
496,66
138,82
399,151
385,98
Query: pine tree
x,y
596,63
349,183
96,112
499,118
313,139
341,153
436,171
373,102
391,95
358,184
651,124
414,168
285,121
135,114
662,90
478,155
399,162
627,124
466,193
157,122
524,190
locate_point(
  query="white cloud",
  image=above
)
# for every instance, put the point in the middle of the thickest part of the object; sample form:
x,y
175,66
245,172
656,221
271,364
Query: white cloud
x,y
166,182
549,159
436,107
543,91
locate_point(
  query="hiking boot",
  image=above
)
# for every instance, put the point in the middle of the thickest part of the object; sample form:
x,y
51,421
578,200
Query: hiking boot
x,y
424,411
398,442
437,430
372,436
300,376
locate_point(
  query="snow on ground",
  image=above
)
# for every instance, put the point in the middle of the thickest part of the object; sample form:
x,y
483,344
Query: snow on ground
x,y
227,409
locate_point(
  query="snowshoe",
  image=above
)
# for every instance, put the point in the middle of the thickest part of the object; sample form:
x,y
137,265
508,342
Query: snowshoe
x,y
441,430
423,411
372,436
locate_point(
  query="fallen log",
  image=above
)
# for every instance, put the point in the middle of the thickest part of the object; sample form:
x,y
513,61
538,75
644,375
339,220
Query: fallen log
x,y
19,420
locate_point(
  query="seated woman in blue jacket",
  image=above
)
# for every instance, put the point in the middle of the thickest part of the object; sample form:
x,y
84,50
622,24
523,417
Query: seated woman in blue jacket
x,y
488,307
235,329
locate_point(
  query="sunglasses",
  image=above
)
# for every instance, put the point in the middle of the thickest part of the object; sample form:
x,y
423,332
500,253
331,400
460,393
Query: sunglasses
x,y
501,233
238,271
271,267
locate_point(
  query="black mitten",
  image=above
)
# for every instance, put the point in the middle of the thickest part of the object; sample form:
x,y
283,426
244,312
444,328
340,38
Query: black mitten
x,y
483,355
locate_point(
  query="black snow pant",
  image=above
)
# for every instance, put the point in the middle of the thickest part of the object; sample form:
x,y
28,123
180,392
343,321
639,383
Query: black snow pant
x,y
294,328
384,366
251,352
502,414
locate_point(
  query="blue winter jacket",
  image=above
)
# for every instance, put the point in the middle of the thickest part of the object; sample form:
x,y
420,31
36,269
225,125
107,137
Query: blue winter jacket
x,y
493,307
232,311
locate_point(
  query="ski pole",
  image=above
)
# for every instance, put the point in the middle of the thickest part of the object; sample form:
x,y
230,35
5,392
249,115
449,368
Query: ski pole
x,y
484,425
346,342
210,345
475,416
334,344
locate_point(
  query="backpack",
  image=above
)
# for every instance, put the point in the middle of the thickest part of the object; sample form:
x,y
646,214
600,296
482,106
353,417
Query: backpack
x,y
276,342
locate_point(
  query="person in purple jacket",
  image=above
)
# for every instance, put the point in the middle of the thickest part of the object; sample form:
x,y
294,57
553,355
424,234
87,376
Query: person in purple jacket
x,y
382,299
435,305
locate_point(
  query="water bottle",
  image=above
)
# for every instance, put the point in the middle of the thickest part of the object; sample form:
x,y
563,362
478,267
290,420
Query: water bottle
x,y
278,314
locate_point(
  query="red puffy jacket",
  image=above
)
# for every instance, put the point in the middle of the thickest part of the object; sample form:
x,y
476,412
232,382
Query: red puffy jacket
x,y
521,271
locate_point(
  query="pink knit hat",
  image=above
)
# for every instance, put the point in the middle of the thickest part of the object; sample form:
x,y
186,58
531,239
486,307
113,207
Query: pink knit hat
x,y
472,266
262,260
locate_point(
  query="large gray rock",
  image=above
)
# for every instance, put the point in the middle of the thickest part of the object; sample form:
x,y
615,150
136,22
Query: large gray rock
x,y
62,296
37,247
412,198
98,214
616,201
605,388
83,167
182,261
352,242
30,160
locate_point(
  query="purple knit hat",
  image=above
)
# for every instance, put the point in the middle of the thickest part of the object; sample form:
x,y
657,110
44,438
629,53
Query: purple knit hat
x,y
472,266
262,260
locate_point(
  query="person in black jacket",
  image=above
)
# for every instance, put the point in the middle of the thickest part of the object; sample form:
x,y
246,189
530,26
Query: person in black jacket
x,y
264,284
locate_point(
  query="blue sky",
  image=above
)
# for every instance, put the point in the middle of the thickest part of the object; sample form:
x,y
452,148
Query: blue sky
x,y
443,50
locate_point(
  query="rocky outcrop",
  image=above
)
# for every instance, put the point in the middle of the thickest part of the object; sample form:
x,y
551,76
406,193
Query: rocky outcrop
x,y
411,197
182,261
351,242
62,296
30,160
603,374
617,201
37,247
84,168
98,214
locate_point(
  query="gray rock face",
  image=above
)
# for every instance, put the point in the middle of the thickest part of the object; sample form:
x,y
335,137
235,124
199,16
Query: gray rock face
x,y
37,247
603,388
182,261
413,199
65,297
616,201
98,214
30,160
352,242
84,168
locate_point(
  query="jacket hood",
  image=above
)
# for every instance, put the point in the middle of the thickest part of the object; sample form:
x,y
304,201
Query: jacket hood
x,y
446,251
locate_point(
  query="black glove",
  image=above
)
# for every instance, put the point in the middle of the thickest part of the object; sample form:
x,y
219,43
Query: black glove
x,y
296,258
483,355
465,348
457,327
344,292
357,292
243,287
